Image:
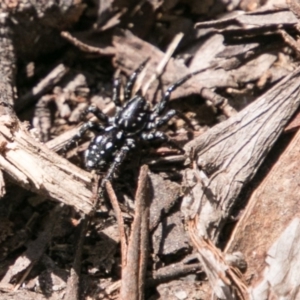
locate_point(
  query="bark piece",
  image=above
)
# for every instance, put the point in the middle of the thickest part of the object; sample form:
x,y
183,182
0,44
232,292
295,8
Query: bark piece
x,y
136,51
90,43
40,170
248,21
72,291
30,164
281,278
225,280
42,119
231,152
173,271
270,209
133,274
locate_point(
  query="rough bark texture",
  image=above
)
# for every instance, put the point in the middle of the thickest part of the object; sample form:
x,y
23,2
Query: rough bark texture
x,y
231,153
272,206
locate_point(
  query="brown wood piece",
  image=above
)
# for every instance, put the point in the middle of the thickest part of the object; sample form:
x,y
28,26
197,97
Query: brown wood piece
x,y
133,274
271,208
35,167
230,153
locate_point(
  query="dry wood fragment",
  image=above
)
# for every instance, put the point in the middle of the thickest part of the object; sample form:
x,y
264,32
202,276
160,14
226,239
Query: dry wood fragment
x,y
27,162
42,118
72,291
161,66
173,271
294,124
280,278
225,280
37,168
135,50
294,6
231,152
87,42
268,214
2,185
248,21
133,274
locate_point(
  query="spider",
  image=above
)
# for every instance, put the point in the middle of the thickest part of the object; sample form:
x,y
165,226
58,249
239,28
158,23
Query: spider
x,y
133,121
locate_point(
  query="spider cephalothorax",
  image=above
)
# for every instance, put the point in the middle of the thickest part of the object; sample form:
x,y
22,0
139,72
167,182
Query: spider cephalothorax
x,y
133,122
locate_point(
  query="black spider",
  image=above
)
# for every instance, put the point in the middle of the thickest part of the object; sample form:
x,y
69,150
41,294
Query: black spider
x,y
133,121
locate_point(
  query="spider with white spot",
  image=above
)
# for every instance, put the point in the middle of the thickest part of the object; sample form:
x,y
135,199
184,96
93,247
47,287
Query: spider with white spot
x,y
134,121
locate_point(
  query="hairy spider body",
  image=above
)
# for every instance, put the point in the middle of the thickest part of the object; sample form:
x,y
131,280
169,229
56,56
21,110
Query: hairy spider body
x,y
133,117
102,148
133,122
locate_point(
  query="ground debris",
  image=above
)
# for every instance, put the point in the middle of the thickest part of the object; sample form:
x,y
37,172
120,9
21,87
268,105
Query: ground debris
x,y
161,234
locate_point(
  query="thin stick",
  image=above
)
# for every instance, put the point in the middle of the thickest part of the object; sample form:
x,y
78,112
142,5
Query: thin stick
x,y
72,291
161,66
133,274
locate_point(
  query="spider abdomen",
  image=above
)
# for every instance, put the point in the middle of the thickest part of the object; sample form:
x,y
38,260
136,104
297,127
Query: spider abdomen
x,y
102,148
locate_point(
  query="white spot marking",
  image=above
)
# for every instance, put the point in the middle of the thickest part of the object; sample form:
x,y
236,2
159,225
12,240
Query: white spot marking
x,y
117,159
126,123
134,124
90,163
102,152
99,138
119,135
108,145
108,128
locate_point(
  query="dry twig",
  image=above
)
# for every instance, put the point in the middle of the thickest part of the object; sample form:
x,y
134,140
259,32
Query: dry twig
x,y
133,274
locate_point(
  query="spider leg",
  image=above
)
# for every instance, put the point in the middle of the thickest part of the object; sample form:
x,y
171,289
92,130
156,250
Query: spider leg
x,y
160,107
163,120
96,112
82,130
116,91
132,79
119,158
160,136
